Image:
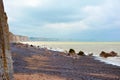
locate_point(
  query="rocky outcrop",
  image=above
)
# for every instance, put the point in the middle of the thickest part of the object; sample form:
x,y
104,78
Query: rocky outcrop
x,y
71,52
111,54
6,70
17,38
81,53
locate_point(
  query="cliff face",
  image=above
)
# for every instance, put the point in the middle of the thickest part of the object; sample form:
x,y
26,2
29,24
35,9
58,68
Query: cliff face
x,y
6,70
16,38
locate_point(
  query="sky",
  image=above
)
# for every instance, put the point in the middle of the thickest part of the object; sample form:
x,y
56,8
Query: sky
x,y
78,20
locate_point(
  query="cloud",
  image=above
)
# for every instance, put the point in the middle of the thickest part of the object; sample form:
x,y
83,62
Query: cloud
x,y
68,28
45,9
103,16
63,17
24,3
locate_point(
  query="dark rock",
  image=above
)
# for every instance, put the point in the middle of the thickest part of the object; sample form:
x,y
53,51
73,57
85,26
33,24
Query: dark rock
x,y
103,54
81,53
31,46
71,52
91,54
111,54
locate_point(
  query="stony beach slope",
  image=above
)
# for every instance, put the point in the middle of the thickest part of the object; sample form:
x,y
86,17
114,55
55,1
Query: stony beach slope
x,y
31,63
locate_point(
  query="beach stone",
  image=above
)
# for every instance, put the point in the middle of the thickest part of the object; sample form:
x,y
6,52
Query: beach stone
x,y
90,54
104,54
111,54
71,52
81,53
6,68
31,46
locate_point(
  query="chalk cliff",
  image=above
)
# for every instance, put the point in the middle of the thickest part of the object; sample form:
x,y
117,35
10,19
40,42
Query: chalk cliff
x,y
6,69
16,38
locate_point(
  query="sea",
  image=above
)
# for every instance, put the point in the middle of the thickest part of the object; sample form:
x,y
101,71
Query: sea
x,y
86,47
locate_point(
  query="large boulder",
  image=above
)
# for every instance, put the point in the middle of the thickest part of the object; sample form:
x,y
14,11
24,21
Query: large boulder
x,y
111,54
81,53
103,54
71,52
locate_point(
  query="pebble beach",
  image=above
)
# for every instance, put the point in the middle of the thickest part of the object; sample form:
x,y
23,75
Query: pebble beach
x,y
31,63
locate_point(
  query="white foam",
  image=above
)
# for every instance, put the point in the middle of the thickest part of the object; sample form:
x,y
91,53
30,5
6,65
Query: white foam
x,y
56,49
109,60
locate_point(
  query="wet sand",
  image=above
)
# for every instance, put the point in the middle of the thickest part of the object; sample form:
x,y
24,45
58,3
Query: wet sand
x,y
32,63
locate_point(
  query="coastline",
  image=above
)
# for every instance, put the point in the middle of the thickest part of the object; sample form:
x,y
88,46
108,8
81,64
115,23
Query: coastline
x,y
94,45
69,42
43,64
110,60
87,47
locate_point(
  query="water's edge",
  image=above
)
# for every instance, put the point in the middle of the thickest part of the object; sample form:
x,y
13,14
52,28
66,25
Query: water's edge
x,y
87,47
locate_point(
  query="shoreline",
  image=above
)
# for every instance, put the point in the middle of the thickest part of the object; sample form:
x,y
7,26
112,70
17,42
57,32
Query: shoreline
x,y
72,42
109,60
43,64
48,45
93,45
